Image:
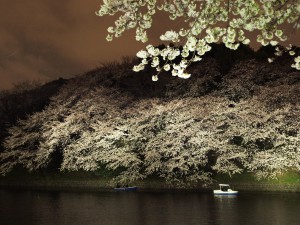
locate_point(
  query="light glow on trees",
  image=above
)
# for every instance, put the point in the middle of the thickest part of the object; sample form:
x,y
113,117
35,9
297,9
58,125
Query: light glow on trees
x,y
181,140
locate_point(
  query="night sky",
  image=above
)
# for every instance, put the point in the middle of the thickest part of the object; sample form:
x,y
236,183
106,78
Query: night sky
x,y
45,39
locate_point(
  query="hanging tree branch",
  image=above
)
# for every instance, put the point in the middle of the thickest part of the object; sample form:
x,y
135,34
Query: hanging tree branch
x,y
265,16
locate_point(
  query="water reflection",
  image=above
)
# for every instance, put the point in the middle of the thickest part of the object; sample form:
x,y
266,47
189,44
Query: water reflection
x,y
140,208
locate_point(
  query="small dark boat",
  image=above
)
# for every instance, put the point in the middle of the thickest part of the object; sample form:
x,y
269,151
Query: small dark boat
x,y
125,188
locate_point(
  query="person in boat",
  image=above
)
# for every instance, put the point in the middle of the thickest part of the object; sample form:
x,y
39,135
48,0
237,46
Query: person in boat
x,y
224,188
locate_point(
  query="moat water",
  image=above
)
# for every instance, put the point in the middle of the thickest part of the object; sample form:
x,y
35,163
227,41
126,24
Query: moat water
x,y
19,207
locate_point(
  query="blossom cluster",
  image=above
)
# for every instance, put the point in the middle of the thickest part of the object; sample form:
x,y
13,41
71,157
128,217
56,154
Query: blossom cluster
x,y
296,65
207,22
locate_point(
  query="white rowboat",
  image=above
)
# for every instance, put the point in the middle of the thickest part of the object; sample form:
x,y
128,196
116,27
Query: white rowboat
x,y
225,190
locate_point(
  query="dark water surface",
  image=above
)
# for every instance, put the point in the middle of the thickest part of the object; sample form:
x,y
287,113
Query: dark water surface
x,y
143,208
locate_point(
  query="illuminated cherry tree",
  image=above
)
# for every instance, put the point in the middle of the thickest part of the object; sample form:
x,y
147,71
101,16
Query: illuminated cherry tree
x,y
204,22
184,141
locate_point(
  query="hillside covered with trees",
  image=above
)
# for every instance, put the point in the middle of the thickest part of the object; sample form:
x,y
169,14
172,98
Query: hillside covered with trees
x,y
24,99
237,113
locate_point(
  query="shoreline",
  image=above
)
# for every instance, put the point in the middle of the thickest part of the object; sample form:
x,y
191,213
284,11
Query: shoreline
x,y
101,184
100,181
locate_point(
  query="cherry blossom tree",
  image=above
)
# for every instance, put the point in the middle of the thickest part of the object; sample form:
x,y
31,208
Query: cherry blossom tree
x,y
181,140
186,139
204,22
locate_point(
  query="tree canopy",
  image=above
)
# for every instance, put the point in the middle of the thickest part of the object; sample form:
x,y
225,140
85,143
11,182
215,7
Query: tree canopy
x,y
181,132
204,22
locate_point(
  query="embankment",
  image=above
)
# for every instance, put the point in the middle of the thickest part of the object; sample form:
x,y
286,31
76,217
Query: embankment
x,y
83,181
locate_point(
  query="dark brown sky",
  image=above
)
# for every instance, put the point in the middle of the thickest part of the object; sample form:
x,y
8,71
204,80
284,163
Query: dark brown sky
x,y
46,39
